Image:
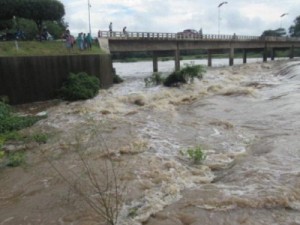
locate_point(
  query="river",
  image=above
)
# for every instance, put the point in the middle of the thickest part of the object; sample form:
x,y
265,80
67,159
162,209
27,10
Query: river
x,y
246,118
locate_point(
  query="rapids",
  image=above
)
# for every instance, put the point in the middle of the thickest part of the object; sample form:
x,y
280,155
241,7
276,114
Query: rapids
x,y
245,117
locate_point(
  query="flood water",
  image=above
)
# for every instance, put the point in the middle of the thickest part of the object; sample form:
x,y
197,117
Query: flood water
x,y
246,118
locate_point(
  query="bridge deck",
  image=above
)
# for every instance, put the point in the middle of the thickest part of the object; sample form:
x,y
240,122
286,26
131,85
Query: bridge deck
x,y
182,36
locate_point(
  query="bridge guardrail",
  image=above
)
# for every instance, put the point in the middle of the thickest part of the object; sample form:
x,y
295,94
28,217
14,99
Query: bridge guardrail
x,y
180,36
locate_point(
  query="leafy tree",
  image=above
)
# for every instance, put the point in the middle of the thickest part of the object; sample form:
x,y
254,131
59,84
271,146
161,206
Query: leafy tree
x,y
295,29
28,27
6,24
280,32
56,29
7,9
36,10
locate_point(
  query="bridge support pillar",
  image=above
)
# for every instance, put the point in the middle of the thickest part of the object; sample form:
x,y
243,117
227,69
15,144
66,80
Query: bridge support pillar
x,y
272,54
292,52
244,56
155,63
231,56
265,55
177,60
209,58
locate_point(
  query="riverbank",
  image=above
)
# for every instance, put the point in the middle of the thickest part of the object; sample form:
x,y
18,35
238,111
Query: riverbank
x,y
44,48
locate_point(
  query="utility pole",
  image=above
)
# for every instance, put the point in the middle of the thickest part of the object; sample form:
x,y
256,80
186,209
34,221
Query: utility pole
x,y
89,11
219,15
284,14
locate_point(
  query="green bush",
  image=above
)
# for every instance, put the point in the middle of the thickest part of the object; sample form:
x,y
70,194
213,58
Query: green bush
x,y
40,138
5,110
117,79
154,80
11,122
196,154
80,86
174,79
16,159
185,75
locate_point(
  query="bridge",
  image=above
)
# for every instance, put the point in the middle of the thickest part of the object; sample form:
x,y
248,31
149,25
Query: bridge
x,y
118,42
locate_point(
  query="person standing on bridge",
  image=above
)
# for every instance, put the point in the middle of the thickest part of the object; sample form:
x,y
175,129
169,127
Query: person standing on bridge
x,y
110,29
124,32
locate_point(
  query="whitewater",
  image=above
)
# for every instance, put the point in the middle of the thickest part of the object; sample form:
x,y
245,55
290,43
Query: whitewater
x,y
246,118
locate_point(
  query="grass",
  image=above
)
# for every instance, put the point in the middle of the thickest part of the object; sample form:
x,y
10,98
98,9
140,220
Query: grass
x,y
36,48
10,124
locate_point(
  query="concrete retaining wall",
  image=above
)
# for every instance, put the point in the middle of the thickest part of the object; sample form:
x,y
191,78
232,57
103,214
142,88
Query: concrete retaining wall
x,y
30,79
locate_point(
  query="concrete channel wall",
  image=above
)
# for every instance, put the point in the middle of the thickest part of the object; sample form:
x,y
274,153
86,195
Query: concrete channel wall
x,y
31,79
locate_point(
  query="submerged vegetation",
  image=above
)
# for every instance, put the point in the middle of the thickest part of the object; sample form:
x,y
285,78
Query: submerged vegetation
x,y
196,154
154,80
183,76
10,124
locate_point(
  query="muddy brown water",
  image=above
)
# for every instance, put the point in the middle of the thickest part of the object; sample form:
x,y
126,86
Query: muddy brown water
x,y
246,119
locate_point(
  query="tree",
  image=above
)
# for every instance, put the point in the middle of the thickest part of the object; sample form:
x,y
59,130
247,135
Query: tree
x,y
7,9
294,30
36,10
6,24
56,29
280,32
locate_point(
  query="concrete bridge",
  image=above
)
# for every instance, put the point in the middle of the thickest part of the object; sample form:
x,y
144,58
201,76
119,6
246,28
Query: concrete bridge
x,y
113,42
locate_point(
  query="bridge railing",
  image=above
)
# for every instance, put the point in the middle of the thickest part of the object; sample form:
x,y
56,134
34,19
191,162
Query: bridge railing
x,y
183,36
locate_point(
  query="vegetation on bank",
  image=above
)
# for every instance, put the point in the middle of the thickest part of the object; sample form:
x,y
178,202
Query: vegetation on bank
x,y
10,124
37,48
80,86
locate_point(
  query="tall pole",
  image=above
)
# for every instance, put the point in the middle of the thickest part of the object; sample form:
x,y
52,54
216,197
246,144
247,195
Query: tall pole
x,y
219,15
219,19
284,14
89,7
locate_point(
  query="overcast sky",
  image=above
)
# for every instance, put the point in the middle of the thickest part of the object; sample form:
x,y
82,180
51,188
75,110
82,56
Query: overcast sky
x,y
243,17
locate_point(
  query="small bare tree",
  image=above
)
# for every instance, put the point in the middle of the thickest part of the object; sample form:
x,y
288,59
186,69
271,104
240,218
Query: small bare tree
x,y
99,186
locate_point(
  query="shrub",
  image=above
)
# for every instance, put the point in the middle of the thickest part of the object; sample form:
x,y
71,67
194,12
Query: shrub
x,y
4,110
80,86
174,79
16,159
117,79
196,154
40,138
185,75
154,80
11,122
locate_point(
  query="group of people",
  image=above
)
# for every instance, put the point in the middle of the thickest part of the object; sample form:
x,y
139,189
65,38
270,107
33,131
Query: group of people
x,y
83,41
111,29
